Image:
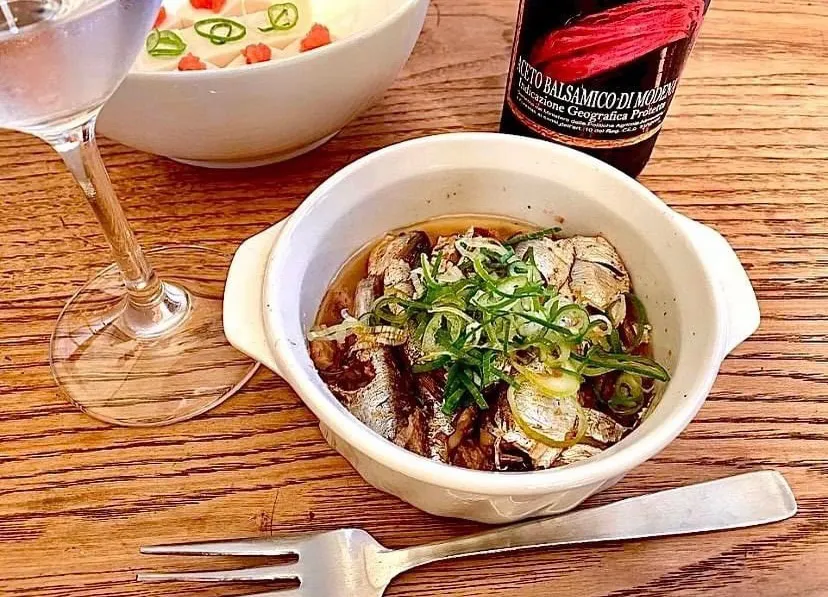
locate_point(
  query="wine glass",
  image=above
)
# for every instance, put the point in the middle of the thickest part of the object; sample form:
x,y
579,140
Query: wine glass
x,y
136,346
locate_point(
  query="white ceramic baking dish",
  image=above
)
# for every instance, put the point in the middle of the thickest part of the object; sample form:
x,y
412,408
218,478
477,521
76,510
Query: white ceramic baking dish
x,y
698,296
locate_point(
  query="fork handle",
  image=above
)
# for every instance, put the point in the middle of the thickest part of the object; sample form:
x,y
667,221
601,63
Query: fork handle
x,y
734,502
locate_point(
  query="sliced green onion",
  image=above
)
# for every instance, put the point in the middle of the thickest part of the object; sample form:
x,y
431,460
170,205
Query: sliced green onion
x,y
615,341
451,378
487,370
382,310
481,271
504,377
627,363
453,390
467,247
628,397
452,401
520,238
220,30
551,326
578,314
429,341
557,383
432,365
428,273
597,324
472,389
337,332
591,370
282,17
453,311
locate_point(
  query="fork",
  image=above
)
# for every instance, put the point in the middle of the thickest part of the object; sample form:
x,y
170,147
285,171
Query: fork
x,y
351,563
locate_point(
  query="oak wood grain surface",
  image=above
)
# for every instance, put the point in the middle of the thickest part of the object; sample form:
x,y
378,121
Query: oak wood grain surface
x,y
745,150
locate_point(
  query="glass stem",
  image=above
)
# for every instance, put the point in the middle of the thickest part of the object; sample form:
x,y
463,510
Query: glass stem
x,y
153,308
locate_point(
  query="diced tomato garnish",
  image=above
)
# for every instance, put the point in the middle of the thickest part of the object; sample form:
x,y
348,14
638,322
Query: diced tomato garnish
x,y
162,16
191,62
214,5
257,53
317,37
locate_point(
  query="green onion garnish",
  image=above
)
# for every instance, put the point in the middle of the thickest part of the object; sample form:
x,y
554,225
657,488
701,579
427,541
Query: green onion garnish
x,y
489,317
520,238
165,43
282,17
615,341
628,363
220,30
628,397
437,363
452,402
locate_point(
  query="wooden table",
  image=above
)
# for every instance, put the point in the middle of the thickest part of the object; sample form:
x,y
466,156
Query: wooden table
x,y
745,150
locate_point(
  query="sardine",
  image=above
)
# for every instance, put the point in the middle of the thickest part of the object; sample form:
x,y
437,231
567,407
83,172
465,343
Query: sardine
x,y
392,261
586,269
554,259
470,454
508,437
602,428
558,417
598,275
440,426
445,247
442,433
577,453
393,258
367,291
368,380
373,388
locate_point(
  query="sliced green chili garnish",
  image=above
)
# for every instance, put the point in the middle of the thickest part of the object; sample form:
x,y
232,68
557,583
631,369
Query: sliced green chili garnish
x,y
282,17
220,30
164,43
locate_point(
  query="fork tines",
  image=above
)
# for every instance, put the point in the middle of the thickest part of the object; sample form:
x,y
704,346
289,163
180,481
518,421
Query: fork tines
x,y
241,547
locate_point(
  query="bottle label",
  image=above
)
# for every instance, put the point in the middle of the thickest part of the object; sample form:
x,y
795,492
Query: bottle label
x,y
600,73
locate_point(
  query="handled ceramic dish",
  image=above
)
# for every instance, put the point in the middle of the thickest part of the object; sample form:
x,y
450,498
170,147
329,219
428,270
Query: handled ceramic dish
x,y
699,298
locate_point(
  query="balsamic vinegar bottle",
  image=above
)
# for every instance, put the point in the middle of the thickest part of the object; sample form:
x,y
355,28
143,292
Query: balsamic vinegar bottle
x,y
599,75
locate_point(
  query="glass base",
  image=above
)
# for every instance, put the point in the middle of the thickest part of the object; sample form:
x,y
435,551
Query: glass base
x,y
113,375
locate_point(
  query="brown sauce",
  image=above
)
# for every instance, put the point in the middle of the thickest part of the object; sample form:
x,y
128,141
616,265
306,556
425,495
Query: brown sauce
x,y
343,286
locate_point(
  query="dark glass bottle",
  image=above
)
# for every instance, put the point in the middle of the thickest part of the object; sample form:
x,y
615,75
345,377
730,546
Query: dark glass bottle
x,y
599,75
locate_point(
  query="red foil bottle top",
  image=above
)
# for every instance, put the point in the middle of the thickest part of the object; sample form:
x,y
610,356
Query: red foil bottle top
x,y
601,42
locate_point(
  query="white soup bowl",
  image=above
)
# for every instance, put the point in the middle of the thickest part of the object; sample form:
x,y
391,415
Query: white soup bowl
x,y
272,111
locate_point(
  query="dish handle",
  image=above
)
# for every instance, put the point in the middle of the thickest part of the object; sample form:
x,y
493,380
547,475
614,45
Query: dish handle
x,y
732,282
243,298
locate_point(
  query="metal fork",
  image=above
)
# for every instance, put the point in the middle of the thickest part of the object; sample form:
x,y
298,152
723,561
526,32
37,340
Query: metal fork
x,y
351,563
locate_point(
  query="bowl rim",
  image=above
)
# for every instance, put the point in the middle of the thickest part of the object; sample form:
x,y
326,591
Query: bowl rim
x,y
373,446
318,54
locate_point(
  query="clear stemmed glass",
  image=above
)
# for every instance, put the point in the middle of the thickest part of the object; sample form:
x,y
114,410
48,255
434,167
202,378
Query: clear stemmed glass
x,y
135,346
